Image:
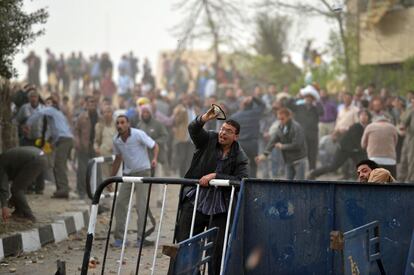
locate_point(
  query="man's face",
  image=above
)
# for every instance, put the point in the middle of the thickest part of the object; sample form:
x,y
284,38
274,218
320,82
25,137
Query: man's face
x,y
363,172
34,100
377,105
347,100
122,125
107,114
283,118
49,103
187,101
145,114
308,99
272,89
363,118
230,93
91,105
227,134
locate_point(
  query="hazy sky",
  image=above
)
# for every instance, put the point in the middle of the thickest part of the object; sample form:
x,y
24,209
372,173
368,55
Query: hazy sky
x,y
118,26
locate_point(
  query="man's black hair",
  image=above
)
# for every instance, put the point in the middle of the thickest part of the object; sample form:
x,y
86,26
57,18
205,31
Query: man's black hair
x,y
124,116
370,163
366,111
235,124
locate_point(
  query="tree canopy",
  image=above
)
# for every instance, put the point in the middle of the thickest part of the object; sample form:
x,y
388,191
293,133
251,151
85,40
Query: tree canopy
x,y
17,30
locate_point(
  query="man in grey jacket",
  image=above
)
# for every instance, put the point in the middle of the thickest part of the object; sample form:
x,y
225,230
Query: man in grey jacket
x,y
290,139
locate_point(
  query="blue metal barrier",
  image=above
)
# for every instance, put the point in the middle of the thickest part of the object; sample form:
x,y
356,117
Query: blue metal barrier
x,y
362,249
409,269
195,252
283,227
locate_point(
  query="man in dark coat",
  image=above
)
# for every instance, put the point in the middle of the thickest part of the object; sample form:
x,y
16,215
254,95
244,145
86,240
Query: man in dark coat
x,y
19,165
307,115
249,117
217,156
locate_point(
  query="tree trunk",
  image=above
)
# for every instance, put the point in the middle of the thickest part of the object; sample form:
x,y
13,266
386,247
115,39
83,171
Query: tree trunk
x,y
7,128
346,54
214,32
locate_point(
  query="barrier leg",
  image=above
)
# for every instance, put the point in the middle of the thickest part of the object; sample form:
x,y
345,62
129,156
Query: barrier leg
x,y
223,256
194,211
109,230
93,179
159,230
89,238
143,231
210,222
126,228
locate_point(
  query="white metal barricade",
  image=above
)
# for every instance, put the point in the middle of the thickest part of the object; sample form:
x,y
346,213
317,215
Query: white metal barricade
x,y
140,180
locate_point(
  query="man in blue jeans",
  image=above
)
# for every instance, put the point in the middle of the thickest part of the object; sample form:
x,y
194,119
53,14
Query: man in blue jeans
x,y
290,140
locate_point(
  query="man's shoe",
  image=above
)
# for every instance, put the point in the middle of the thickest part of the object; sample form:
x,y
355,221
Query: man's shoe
x,y
146,243
60,195
118,243
23,218
311,175
159,203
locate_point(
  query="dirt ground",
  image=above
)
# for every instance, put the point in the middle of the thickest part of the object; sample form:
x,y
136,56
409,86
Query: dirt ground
x,y
45,208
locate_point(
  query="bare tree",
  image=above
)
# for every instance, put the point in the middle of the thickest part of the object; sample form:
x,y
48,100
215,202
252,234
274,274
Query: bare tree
x,y
271,35
215,20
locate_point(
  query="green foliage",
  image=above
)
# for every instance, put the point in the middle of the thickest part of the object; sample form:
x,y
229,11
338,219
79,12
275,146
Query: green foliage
x,y
264,69
271,35
16,31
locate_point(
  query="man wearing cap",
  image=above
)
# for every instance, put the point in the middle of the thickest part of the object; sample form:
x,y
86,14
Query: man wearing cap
x,y
158,132
307,114
380,140
217,156
20,165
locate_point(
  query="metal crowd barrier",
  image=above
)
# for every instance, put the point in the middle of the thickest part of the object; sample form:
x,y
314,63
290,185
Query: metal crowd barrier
x,y
144,180
92,175
92,178
285,227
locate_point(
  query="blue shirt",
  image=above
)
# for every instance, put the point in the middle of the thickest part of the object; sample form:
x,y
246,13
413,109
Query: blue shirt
x,y
134,150
56,120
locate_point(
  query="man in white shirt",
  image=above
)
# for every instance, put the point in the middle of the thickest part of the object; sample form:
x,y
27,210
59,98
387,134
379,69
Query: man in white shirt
x,y
130,146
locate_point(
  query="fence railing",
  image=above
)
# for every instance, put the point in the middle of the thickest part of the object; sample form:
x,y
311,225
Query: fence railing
x,y
97,195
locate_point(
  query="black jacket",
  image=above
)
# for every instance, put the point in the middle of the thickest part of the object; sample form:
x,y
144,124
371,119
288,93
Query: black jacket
x,y
249,121
205,157
205,161
351,140
293,140
308,117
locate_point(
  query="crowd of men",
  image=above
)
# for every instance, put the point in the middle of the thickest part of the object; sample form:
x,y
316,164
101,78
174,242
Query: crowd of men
x,y
82,113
